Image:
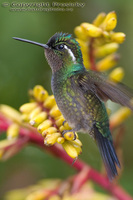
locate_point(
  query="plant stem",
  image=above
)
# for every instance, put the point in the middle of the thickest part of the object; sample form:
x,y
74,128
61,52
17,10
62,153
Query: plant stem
x,y
91,55
85,170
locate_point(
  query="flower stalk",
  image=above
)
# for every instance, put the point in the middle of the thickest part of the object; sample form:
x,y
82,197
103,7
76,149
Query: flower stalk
x,y
86,171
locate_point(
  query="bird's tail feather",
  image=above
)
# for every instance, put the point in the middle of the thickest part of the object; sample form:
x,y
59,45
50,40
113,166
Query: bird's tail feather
x,y
108,153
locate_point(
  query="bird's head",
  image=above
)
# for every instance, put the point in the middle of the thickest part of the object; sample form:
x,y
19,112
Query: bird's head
x,y
61,50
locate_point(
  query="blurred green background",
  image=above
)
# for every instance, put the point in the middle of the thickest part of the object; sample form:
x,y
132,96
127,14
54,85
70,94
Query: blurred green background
x,y
23,65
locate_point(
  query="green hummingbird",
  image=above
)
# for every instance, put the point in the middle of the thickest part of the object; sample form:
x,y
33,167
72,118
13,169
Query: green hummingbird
x,y
80,94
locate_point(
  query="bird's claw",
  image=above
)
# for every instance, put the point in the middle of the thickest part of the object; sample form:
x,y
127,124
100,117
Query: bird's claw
x,y
63,132
64,122
74,136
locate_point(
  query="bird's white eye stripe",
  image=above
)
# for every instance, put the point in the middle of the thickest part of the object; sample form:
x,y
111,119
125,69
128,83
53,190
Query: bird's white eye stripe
x,y
70,53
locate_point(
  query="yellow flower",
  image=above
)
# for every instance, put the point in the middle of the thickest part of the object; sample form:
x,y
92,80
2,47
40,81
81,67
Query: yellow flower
x,y
99,40
119,117
109,22
118,37
13,131
99,19
44,115
117,74
107,62
11,113
106,49
91,30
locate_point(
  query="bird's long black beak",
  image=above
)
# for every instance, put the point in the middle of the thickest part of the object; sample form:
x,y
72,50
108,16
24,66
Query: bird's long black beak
x,y
45,46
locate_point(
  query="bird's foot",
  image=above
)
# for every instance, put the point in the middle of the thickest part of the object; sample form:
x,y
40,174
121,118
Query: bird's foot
x,y
66,131
64,122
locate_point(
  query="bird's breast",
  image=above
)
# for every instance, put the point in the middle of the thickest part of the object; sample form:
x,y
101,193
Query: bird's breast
x,y
78,108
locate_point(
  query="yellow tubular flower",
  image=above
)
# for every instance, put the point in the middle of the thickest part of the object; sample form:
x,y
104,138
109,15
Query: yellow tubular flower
x,y
62,128
85,52
119,117
91,30
107,62
25,117
78,149
51,139
44,125
34,113
11,113
86,61
49,131
40,93
60,140
77,142
109,22
71,149
106,49
83,44
38,119
13,131
49,102
54,112
118,37
66,125
59,121
106,36
69,136
99,19
28,107
79,32
117,74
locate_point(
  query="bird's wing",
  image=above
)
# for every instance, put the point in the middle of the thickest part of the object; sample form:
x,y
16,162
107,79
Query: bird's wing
x,y
106,89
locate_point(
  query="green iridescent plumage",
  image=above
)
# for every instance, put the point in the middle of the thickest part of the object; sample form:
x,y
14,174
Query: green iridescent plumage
x,y
80,94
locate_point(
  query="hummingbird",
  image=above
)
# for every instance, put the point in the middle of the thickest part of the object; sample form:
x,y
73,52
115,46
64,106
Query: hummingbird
x,y
81,94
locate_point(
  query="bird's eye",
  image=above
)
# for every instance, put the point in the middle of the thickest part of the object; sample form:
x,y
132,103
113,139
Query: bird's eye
x,y
60,46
